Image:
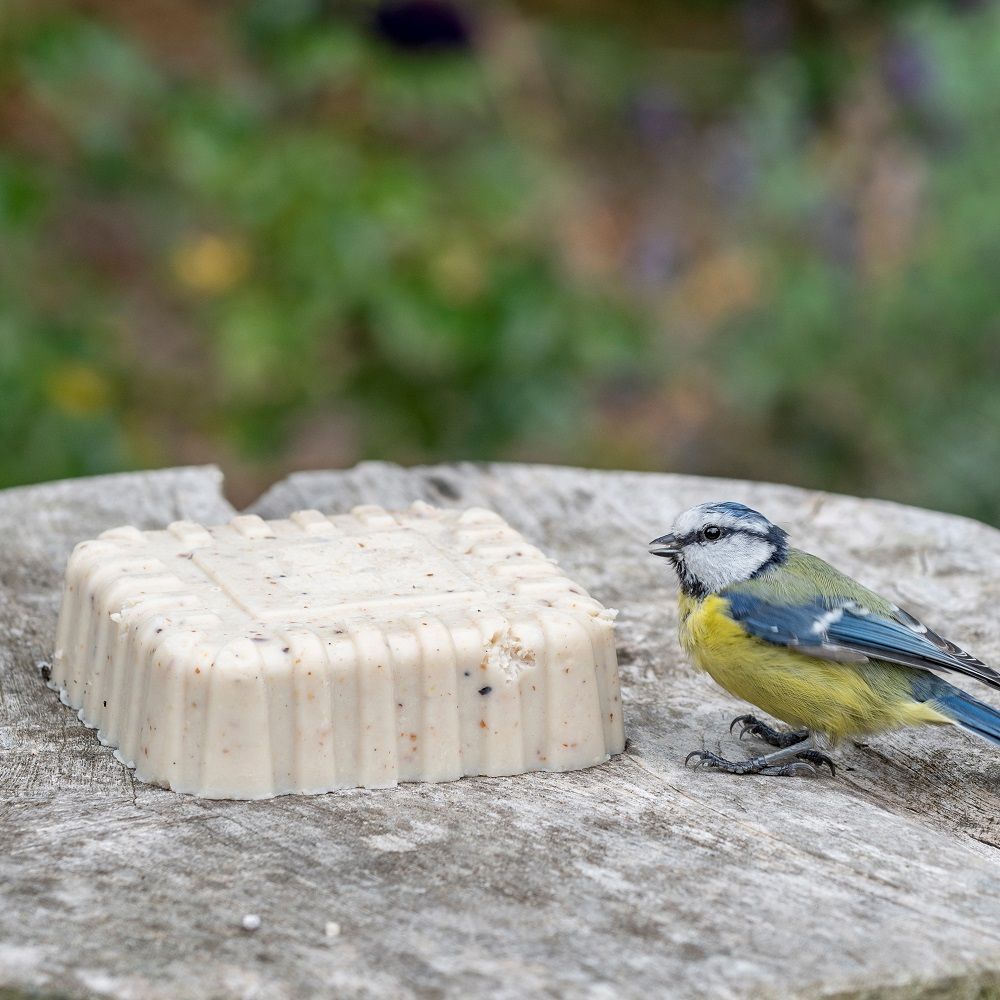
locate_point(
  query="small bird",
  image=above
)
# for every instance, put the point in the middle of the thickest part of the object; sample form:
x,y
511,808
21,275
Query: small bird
x,y
785,631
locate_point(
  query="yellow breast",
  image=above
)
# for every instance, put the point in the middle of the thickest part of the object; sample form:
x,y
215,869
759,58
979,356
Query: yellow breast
x,y
837,699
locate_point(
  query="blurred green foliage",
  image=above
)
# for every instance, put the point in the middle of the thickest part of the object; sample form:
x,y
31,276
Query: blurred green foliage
x,y
340,229
748,239
873,362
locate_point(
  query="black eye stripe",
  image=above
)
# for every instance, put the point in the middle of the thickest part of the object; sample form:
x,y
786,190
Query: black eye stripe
x,y
698,535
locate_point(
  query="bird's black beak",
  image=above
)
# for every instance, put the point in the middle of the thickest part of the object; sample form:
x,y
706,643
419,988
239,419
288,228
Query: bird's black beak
x,y
665,545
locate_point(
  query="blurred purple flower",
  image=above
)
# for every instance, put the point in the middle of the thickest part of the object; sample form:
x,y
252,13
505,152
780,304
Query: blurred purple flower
x,y
967,6
657,115
655,259
422,25
836,233
730,164
766,24
907,70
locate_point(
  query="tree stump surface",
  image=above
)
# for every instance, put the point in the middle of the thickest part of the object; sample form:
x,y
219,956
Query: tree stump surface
x,y
637,878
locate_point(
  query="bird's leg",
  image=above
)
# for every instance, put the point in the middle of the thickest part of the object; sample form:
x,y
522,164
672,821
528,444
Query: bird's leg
x,y
776,737
797,759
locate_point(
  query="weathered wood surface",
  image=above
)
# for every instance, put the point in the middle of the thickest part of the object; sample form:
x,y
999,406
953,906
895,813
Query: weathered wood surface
x,y
635,879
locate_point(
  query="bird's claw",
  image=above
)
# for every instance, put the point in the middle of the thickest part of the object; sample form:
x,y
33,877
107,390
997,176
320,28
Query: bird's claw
x,y
805,764
705,757
775,737
820,759
747,721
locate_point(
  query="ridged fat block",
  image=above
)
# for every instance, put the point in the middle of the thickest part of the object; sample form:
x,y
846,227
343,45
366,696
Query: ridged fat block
x,y
259,658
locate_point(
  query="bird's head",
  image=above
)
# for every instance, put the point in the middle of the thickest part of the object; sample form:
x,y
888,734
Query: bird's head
x,y
715,545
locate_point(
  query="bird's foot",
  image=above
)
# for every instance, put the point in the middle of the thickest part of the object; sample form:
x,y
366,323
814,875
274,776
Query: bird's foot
x,y
785,763
818,758
775,737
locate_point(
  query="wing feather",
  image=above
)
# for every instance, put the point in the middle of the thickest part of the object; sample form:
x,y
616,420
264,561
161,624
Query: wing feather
x,y
845,631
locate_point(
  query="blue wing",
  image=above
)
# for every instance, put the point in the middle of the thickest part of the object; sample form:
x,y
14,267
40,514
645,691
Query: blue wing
x,y
847,632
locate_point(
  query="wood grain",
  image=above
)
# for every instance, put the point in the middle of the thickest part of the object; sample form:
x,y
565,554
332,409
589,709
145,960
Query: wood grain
x,y
635,879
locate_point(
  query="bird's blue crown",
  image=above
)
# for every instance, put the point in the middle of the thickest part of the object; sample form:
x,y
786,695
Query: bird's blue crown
x,y
739,511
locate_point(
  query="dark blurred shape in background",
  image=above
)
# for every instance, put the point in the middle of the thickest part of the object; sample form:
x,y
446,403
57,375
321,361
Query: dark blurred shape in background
x,y
756,239
422,26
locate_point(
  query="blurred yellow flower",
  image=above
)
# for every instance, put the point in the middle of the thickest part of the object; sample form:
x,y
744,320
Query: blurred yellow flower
x,y
78,390
458,273
211,264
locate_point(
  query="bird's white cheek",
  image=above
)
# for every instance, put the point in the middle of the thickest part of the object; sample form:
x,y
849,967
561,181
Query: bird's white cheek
x,y
718,565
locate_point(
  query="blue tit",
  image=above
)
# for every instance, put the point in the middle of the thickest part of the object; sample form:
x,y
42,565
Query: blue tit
x,y
785,631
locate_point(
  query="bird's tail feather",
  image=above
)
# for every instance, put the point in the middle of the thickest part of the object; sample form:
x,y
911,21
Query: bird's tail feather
x,y
973,716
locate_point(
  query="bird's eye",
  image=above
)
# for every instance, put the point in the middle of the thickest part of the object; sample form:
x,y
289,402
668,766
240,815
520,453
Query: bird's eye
x,y
712,532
